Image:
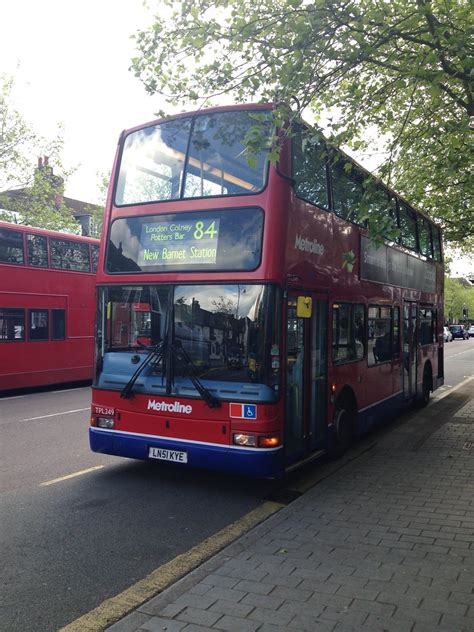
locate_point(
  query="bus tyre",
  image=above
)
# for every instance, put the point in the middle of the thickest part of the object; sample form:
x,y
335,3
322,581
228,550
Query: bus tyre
x,y
344,425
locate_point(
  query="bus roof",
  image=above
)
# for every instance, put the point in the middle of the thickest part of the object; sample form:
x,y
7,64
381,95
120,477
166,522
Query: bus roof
x,y
212,110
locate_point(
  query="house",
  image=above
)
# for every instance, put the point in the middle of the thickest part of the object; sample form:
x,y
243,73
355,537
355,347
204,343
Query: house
x,y
82,212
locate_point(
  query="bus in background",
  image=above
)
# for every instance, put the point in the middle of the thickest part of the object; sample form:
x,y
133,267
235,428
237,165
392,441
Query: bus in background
x,y
47,306
276,330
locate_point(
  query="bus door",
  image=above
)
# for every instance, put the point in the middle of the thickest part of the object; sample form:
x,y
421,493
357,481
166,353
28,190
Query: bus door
x,y
410,313
306,377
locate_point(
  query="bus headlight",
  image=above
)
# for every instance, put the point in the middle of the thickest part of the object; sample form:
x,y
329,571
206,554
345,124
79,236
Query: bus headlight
x,y
247,440
105,422
252,441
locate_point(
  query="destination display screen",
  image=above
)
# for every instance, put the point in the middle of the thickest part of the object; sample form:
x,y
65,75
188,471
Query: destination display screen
x,y
189,242
225,239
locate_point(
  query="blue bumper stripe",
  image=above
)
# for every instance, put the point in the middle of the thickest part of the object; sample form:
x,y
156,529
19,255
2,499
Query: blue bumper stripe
x,y
257,463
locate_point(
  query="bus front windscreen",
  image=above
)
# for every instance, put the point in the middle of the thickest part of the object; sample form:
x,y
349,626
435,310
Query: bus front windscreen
x,y
204,155
228,334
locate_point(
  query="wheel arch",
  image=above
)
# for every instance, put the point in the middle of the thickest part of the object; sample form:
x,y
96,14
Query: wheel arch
x,y
428,371
345,421
346,398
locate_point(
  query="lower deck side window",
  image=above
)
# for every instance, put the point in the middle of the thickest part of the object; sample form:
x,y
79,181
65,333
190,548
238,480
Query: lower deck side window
x,y
58,324
348,332
38,324
380,334
428,325
384,334
12,324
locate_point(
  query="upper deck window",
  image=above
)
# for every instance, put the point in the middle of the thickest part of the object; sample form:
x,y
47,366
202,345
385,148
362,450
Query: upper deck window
x,y
37,251
200,156
309,169
94,257
436,243
381,207
347,189
11,246
70,255
408,228
424,233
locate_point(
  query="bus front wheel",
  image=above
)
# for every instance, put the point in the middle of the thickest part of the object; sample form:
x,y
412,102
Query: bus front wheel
x,y
344,426
426,388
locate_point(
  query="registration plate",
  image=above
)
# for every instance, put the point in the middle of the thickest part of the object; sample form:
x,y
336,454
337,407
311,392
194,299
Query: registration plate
x,y
168,455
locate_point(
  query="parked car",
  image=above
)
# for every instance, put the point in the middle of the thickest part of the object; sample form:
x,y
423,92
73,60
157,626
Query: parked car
x,y
458,331
447,335
470,331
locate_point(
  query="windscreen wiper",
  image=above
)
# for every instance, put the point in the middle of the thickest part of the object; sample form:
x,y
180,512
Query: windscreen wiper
x,y
205,393
155,354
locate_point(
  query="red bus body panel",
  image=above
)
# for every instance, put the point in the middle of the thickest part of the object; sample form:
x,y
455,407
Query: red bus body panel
x,y
25,364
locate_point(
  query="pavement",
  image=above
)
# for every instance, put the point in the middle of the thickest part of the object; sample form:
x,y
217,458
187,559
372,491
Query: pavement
x,y
383,543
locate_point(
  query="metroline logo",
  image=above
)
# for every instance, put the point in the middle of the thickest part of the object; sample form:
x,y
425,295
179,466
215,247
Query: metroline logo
x,y
173,407
306,245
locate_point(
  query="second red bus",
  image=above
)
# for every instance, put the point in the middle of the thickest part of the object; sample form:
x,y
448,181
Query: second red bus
x,y
47,307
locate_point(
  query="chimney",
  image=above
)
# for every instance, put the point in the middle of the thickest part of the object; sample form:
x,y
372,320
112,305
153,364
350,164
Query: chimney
x,y
40,163
85,222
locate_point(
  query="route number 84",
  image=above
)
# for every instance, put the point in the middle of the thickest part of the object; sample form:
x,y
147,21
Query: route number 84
x,y
210,231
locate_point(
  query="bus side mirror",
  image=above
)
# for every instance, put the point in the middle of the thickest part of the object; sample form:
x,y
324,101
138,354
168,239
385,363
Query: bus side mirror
x,y
304,307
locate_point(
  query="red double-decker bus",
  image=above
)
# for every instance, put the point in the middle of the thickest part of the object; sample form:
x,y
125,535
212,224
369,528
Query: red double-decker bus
x,y
47,306
246,322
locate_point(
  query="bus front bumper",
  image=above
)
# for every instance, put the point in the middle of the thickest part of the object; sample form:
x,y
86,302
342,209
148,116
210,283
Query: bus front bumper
x,y
259,463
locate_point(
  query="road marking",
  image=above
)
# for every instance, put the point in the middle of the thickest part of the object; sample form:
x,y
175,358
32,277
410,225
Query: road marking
x,y
65,412
117,607
68,476
456,354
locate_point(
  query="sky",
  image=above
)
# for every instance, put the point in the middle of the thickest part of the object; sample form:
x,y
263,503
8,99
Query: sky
x,y
70,63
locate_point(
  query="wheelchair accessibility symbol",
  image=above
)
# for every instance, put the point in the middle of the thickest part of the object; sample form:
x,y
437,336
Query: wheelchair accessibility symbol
x,y
250,411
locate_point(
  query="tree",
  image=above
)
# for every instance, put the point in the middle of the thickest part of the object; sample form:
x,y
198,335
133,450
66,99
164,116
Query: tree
x,y
15,138
400,67
456,297
31,196
97,211
224,305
